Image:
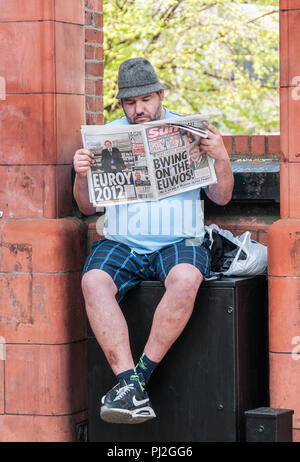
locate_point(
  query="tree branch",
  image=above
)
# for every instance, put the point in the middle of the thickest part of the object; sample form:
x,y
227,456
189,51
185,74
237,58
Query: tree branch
x,y
262,16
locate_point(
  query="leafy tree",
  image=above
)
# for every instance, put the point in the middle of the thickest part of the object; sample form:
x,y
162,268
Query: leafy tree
x,y
218,58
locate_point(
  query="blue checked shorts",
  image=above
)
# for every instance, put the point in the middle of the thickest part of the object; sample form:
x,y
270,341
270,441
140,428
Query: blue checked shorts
x,y
128,268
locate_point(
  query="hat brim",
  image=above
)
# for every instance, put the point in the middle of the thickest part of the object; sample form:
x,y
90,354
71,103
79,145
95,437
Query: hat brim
x,y
139,91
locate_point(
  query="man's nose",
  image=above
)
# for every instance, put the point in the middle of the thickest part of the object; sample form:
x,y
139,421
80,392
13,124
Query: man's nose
x,y
139,107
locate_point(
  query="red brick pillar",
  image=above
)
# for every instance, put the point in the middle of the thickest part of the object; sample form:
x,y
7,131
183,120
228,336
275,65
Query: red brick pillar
x,y
284,235
94,61
43,368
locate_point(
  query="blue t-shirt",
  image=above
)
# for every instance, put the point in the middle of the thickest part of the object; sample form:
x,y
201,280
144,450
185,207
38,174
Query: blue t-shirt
x,y
148,226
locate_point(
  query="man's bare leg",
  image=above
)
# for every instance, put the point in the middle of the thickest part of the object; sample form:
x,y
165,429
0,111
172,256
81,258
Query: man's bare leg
x,y
127,402
170,317
174,309
107,320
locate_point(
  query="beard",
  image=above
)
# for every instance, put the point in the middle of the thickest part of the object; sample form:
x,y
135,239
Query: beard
x,y
156,114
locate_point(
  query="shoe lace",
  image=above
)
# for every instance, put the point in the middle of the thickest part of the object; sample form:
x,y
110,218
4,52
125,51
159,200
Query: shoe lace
x,y
123,391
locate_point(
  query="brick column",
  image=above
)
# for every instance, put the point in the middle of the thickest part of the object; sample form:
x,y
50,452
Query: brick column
x,y
43,370
284,235
94,61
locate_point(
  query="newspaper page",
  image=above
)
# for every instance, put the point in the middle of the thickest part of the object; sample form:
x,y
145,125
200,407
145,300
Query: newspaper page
x,y
177,161
146,162
120,171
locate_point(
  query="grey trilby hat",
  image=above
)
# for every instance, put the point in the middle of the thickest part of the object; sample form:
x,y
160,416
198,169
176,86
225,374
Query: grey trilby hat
x,y
137,77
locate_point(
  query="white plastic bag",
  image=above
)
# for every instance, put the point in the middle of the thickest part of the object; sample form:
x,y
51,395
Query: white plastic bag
x,y
251,257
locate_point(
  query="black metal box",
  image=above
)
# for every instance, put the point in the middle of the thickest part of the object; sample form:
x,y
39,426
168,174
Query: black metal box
x,y
216,370
269,425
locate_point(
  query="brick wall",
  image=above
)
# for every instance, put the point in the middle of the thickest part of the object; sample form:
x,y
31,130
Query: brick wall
x,y
94,61
43,385
256,146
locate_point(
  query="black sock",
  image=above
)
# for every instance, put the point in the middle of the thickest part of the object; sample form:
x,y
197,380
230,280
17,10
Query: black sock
x,y
130,376
146,367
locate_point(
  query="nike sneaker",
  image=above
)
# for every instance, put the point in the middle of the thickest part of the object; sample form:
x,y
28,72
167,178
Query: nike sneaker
x,y
126,403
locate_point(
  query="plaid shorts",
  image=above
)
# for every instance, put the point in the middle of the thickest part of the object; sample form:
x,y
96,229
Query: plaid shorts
x,y
127,268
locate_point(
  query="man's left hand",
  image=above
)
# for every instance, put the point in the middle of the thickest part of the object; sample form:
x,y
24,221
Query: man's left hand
x,y
213,144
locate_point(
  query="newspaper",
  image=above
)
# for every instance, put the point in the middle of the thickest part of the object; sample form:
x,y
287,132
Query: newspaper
x,y
146,162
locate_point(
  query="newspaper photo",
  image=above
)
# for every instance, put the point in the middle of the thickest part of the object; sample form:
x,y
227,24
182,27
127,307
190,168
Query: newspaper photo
x,y
146,162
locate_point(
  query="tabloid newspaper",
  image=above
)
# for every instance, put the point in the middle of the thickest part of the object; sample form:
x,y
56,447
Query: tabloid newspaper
x,y
146,162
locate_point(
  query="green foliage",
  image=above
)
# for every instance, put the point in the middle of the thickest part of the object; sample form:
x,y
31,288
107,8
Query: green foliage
x,y
218,58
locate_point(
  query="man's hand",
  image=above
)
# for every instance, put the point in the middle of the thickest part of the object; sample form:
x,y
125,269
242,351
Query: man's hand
x,y
213,144
83,160
220,192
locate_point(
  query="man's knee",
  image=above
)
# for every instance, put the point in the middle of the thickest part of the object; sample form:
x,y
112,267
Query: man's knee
x,y
97,281
184,279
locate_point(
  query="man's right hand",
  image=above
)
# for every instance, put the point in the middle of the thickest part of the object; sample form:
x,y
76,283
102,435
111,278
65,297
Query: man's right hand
x,y
83,160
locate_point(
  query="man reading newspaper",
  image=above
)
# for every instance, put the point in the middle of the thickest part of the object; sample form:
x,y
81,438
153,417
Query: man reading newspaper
x,y
158,249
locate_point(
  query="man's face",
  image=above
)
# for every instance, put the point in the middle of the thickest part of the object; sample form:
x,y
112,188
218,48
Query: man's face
x,y
108,144
145,108
195,153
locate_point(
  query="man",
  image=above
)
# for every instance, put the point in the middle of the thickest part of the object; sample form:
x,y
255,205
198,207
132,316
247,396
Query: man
x,y
187,138
197,158
141,179
122,260
112,160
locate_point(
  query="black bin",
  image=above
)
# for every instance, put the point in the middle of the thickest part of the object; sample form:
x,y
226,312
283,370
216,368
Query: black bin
x,y
216,370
